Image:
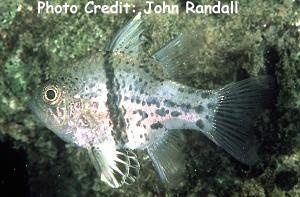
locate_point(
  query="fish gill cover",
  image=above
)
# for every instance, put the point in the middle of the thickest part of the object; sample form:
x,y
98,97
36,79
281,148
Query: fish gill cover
x,y
262,35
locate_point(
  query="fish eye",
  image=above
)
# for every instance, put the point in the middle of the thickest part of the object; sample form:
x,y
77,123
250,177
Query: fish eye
x,y
51,94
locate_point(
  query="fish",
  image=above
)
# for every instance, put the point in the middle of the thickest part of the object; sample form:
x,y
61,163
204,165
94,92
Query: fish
x,y
119,100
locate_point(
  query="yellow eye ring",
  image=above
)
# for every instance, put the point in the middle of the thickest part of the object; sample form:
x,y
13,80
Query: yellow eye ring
x,y
51,94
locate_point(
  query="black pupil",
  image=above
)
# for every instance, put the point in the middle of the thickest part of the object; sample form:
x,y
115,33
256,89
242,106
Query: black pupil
x,y
50,94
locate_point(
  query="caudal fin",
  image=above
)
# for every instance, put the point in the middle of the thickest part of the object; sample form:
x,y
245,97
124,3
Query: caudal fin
x,y
237,103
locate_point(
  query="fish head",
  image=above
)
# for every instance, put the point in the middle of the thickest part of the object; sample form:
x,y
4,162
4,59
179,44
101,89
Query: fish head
x,y
52,102
73,104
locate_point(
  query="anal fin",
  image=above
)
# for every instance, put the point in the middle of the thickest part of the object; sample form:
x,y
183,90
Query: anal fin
x,y
168,158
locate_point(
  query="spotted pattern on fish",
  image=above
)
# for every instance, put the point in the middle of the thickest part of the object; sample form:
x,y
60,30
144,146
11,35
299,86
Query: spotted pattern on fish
x,y
200,124
175,113
153,101
169,103
123,100
156,125
185,107
143,115
162,112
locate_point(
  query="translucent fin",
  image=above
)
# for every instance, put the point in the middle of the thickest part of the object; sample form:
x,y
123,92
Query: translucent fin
x,y
129,38
115,167
168,158
178,54
237,104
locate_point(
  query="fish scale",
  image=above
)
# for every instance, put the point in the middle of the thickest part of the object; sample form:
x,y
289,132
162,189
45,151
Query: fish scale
x,y
114,102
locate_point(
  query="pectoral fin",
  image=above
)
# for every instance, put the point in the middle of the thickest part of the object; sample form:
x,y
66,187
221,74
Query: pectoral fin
x,y
115,167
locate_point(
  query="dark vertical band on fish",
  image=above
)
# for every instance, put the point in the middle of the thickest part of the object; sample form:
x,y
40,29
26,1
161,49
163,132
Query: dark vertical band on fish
x,y
113,102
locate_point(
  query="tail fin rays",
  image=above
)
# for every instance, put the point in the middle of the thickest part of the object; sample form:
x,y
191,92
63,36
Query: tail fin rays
x,y
237,104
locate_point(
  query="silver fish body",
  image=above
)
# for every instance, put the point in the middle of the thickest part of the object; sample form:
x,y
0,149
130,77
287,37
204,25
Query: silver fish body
x,y
116,101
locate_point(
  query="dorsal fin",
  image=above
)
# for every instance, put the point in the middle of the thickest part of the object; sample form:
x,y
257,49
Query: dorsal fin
x,y
129,38
177,55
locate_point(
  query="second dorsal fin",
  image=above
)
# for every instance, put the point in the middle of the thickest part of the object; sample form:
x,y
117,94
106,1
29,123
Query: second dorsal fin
x,y
179,54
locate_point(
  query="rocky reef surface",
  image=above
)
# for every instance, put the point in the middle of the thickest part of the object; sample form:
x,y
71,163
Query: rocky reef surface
x,y
262,37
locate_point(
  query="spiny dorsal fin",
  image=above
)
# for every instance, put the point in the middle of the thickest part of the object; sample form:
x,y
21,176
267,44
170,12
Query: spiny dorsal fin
x,y
168,158
129,38
116,167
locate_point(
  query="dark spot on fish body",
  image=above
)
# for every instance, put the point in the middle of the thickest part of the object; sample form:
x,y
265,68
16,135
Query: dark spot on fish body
x,y
168,103
141,136
126,98
153,101
175,113
143,114
200,124
199,109
162,112
156,125
130,87
146,136
185,107
138,100
210,105
208,118
143,103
